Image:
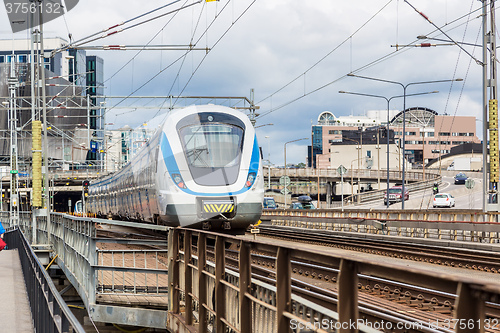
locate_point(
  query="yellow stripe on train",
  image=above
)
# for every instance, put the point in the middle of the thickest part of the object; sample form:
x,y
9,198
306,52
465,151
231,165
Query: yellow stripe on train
x,y
218,208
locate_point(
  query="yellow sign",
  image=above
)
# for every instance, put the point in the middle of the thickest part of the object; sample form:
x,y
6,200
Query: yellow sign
x,y
218,208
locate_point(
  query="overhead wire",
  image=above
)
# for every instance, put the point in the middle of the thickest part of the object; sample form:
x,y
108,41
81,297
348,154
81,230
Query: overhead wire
x,y
329,53
147,44
193,32
372,63
216,43
471,57
201,61
84,40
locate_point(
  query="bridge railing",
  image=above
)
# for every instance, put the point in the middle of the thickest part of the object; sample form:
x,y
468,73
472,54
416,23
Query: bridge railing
x,y
217,294
97,273
362,173
455,225
379,194
49,311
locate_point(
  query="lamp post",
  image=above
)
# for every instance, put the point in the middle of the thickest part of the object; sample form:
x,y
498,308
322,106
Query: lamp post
x,y
285,160
404,86
388,100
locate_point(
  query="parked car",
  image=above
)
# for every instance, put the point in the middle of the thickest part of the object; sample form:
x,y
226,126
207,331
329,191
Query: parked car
x,y
443,200
296,205
460,178
302,205
269,203
305,202
395,194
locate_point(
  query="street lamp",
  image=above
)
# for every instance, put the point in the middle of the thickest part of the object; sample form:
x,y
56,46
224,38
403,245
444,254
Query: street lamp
x,y
285,162
388,99
404,86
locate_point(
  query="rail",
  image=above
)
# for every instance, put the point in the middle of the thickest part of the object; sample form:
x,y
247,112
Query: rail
x,y
454,225
434,215
97,273
411,176
49,311
216,298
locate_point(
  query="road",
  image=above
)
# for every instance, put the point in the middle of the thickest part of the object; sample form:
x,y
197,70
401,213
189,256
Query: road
x,y
465,198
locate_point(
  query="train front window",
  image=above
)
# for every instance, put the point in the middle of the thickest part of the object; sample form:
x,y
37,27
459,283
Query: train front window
x,y
213,152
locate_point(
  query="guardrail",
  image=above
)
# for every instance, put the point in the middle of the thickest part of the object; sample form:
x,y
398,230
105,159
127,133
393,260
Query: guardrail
x,y
49,311
379,194
94,273
218,298
455,225
434,215
364,173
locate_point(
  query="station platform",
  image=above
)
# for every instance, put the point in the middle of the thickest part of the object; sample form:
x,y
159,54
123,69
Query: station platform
x,y
15,312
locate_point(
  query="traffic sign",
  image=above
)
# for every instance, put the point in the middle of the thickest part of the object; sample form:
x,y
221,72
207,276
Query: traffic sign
x,y
469,183
285,180
285,191
341,170
13,172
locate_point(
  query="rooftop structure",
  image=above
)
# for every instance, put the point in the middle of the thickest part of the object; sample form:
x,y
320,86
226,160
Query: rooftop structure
x,y
428,134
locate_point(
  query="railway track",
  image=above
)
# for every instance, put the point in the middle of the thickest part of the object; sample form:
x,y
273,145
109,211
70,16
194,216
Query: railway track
x,y
395,304
380,299
454,257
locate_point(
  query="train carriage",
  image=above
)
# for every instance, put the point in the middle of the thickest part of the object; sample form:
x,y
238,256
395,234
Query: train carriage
x,y
201,169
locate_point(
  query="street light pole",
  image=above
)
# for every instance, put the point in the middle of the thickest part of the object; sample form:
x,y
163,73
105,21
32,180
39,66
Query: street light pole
x,y
269,162
388,100
404,86
285,162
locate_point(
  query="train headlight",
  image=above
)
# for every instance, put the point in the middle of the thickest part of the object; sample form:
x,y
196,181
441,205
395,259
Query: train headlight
x,y
250,179
178,180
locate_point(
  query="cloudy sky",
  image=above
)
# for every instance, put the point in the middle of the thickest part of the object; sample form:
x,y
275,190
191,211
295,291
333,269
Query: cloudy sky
x,y
294,54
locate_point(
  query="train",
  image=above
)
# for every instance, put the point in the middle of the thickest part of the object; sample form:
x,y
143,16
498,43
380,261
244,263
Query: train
x,y
201,169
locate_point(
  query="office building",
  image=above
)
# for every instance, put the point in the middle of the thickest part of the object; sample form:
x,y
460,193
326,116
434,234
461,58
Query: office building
x,y
427,136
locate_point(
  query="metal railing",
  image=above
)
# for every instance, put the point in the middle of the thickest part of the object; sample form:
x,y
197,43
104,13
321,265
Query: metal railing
x,y
364,173
208,294
379,194
74,240
458,225
49,311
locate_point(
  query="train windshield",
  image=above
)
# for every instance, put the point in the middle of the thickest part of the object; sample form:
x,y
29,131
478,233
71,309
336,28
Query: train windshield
x,y
213,152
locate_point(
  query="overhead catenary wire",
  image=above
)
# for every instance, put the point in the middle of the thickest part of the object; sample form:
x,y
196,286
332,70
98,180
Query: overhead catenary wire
x,y
443,32
193,32
84,40
329,53
364,67
148,43
179,58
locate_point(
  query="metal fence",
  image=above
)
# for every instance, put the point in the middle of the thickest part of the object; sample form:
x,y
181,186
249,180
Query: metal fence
x,y
49,311
216,295
96,273
467,225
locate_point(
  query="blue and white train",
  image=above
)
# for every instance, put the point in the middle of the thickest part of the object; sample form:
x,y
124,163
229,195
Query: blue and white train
x,y
201,169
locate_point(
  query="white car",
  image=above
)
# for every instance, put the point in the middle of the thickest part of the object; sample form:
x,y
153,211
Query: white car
x,y
443,200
